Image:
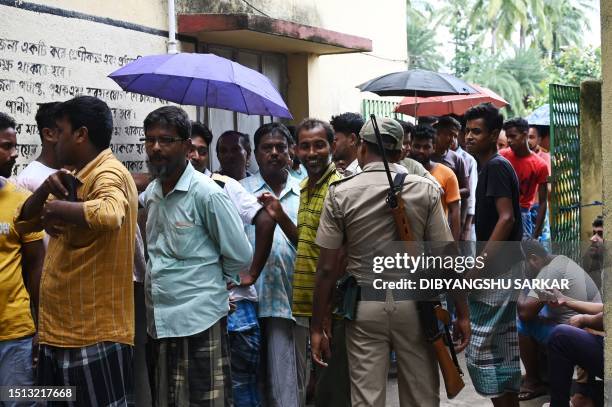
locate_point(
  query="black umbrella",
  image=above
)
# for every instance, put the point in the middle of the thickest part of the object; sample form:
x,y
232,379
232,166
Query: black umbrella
x,y
417,82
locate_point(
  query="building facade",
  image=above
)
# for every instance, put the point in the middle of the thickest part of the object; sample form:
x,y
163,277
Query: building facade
x,y
315,52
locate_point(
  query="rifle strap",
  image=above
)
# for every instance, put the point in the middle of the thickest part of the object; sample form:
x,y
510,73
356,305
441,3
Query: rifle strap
x,y
451,348
398,182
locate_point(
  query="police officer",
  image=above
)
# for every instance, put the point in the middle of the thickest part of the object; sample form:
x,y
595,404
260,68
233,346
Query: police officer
x,y
355,217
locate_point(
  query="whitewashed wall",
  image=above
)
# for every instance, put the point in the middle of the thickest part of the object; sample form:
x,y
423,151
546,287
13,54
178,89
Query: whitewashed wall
x,y
46,57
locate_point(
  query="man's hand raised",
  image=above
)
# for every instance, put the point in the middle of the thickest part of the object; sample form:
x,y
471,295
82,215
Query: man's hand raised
x,y
60,184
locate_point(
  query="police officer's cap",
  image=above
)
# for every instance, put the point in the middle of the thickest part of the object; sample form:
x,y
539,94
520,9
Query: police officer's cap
x,y
388,127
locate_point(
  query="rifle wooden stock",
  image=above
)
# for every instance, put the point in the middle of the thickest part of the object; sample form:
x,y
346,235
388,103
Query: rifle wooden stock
x,y
450,372
451,375
452,379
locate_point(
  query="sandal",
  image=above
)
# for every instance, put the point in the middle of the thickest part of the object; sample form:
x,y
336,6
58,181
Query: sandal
x,y
530,394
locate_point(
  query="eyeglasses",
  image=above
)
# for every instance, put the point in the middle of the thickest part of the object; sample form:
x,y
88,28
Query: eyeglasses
x,y
163,141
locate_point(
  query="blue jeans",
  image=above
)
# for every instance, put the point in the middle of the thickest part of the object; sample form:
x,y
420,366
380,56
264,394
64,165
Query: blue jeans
x,y
569,346
545,236
527,223
16,365
538,329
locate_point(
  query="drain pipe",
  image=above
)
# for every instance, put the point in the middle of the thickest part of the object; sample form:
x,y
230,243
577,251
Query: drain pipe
x,y
172,48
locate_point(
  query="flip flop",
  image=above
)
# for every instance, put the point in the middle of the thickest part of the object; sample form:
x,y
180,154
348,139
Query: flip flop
x,y
525,395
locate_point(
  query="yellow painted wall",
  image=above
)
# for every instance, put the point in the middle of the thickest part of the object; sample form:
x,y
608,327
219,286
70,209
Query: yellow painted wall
x,y
606,129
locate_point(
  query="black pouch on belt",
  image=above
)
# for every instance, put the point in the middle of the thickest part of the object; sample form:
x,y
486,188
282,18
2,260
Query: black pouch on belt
x,y
347,296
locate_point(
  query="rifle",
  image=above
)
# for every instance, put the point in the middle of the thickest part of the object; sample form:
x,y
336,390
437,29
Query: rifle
x,y
430,312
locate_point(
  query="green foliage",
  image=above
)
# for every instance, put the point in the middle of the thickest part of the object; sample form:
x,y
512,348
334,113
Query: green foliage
x,y
532,43
516,78
422,44
467,37
572,66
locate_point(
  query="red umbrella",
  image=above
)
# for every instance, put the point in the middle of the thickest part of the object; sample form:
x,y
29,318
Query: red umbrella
x,y
453,104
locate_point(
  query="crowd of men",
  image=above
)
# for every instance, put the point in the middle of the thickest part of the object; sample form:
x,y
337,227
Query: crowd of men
x,y
217,288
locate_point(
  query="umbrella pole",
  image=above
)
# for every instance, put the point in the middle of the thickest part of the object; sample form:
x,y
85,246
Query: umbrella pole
x,y
416,106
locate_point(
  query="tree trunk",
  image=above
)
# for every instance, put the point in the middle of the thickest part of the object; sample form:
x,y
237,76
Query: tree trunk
x,y
522,37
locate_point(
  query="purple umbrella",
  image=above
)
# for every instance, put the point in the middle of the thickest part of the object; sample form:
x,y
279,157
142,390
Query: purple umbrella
x,y
202,80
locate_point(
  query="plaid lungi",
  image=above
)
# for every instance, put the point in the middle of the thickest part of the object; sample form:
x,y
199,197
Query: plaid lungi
x,y
193,370
101,373
492,356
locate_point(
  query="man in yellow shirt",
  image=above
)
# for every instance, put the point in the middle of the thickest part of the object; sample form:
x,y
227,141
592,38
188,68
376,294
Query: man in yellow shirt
x,y
21,257
86,312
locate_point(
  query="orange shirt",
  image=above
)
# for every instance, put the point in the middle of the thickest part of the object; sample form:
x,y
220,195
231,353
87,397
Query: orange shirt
x,y
86,289
448,181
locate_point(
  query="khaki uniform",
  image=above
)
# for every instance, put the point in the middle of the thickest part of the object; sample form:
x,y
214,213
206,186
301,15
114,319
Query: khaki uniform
x,y
355,214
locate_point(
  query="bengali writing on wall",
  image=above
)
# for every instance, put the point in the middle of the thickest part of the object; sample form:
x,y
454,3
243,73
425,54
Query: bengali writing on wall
x,y
33,72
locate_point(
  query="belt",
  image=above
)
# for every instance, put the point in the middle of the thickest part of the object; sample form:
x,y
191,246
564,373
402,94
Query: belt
x,y
369,293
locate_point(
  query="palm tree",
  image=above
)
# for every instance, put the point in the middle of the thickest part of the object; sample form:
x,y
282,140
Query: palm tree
x,y
515,78
422,40
565,25
423,48
550,23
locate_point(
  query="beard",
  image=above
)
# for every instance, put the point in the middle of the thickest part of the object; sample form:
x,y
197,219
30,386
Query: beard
x,y
158,171
6,170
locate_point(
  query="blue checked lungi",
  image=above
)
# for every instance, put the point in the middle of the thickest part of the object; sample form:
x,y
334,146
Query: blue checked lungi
x,y
245,345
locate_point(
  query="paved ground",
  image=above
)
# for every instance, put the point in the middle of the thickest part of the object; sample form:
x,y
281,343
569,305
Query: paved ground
x,y
467,398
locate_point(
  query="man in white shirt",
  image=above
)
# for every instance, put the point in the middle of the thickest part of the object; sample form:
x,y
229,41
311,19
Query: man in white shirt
x,y
46,164
468,231
201,139
346,140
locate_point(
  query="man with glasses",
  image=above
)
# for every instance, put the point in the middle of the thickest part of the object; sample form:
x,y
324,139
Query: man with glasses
x,y
191,226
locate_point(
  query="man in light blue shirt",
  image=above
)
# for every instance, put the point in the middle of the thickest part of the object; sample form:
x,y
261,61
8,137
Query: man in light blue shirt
x,y
275,282
195,242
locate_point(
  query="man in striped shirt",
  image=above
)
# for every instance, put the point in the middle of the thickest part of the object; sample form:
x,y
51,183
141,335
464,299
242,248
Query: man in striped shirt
x,y
86,307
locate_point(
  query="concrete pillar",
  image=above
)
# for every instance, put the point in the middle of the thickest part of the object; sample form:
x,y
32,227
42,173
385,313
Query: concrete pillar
x,y
606,128
591,183
298,94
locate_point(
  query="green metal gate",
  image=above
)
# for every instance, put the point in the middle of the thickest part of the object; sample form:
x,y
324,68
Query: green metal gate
x,y
565,157
382,108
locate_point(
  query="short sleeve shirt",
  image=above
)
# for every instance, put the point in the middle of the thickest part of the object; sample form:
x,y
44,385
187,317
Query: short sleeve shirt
x,y
15,317
356,213
311,205
448,181
531,171
32,176
274,283
581,286
496,179
454,161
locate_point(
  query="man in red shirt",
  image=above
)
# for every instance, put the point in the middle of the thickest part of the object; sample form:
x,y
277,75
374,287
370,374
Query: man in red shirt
x,y
535,144
532,173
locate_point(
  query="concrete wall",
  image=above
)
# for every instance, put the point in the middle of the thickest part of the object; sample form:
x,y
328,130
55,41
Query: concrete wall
x,y
53,54
606,128
591,182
